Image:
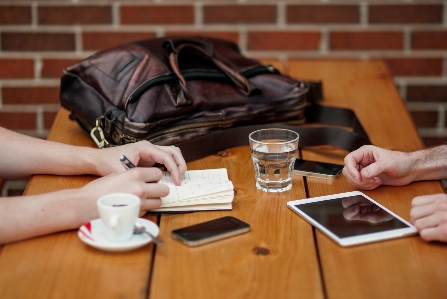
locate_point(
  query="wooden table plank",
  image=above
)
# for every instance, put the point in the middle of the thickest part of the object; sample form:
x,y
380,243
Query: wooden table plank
x,y
279,247
403,268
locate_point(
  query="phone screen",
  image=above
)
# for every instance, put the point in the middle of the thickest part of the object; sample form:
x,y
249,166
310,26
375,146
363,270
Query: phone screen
x,y
209,231
317,169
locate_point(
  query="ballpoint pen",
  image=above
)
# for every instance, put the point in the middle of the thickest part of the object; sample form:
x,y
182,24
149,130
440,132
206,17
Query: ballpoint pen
x,y
126,163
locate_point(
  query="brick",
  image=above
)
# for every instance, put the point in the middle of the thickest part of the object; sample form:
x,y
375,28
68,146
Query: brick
x,y
429,40
323,14
15,15
239,14
427,93
157,14
49,118
52,68
18,121
27,41
68,15
283,41
228,35
433,141
366,40
30,95
414,66
405,14
16,68
103,40
425,118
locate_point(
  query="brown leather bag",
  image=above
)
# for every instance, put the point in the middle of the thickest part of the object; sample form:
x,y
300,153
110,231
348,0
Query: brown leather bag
x,y
198,93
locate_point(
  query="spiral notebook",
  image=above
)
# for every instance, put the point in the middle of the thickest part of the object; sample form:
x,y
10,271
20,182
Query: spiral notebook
x,y
200,190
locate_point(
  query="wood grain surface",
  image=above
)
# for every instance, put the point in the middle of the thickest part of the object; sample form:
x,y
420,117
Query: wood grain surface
x,y
282,256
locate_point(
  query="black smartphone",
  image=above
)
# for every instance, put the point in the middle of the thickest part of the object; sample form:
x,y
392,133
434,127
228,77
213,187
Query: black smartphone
x,y
210,231
317,169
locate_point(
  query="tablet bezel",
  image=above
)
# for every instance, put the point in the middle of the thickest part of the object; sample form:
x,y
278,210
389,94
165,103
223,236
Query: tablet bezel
x,y
355,240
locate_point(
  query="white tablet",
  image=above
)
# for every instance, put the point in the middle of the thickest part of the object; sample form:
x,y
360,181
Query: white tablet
x,y
352,218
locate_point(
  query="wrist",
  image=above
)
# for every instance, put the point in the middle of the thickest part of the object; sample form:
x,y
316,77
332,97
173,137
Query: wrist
x,y
89,161
82,205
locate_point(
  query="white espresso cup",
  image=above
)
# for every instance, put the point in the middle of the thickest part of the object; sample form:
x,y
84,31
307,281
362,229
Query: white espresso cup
x,y
119,212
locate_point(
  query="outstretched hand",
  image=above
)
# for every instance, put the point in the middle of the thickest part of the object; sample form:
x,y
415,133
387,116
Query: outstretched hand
x,y
371,166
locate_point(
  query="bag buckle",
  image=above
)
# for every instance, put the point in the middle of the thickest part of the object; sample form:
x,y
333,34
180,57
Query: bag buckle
x,y
97,131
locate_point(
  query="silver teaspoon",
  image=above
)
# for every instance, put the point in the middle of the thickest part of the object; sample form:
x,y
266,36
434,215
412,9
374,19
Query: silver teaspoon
x,y
139,228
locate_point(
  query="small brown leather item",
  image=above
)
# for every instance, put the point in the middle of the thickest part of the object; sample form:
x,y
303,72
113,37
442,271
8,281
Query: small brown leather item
x,y
198,93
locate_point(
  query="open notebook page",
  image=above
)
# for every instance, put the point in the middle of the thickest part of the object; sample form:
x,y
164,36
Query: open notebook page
x,y
197,176
207,189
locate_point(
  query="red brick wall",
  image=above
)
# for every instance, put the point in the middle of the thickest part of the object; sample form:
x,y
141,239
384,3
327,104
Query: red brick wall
x,y
39,38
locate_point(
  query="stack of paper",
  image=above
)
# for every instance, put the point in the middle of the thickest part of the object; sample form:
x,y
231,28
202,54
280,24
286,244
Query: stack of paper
x,y
208,189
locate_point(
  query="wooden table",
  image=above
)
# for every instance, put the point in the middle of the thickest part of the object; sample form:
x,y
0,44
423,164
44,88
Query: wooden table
x,y
282,256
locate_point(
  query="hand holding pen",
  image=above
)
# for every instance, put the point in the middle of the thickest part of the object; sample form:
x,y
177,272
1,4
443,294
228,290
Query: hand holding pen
x,y
169,156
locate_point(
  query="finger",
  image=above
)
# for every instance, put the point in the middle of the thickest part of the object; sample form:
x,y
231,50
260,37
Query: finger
x,y
427,222
438,233
355,158
419,212
150,204
372,170
147,175
366,184
424,200
361,157
169,158
154,190
351,169
176,153
351,173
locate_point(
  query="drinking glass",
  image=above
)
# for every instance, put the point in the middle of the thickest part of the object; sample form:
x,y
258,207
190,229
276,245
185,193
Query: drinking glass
x,y
274,153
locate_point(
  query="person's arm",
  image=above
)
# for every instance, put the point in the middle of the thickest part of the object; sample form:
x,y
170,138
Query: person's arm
x,y
30,216
371,166
22,156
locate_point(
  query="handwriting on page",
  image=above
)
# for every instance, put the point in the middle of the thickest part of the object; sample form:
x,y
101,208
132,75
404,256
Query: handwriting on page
x,y
197,176
189,192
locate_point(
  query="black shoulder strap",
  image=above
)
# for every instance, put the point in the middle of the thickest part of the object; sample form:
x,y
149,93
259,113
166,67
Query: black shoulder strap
x,y
212,143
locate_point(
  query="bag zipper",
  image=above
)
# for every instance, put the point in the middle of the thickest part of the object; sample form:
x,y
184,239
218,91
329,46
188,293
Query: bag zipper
x,y
125,138
172,78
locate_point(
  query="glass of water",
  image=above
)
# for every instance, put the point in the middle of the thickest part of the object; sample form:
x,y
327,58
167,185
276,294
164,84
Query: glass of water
x,y
274,153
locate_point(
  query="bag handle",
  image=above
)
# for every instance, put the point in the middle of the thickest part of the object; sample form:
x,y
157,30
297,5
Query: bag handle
x,y
174,50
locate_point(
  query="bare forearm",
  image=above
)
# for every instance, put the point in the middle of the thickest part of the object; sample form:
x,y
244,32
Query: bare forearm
x,y
22,156
30,216
430,164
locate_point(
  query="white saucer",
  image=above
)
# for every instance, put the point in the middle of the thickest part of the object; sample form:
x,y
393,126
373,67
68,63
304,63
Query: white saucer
x,y
92,233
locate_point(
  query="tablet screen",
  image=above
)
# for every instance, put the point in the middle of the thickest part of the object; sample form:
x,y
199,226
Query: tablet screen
x,y
351,216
